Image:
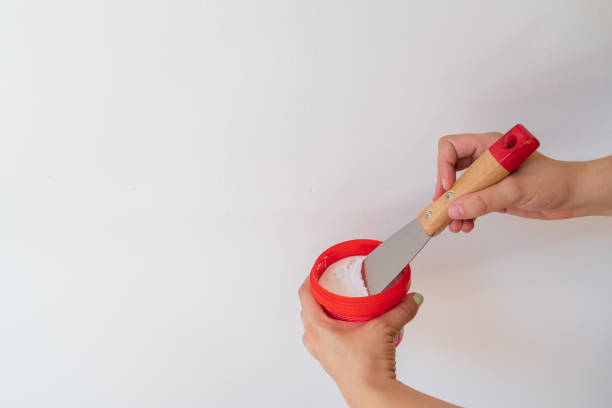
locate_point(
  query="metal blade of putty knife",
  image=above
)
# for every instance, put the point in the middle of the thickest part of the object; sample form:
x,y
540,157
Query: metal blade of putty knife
x,y
383,264
387,261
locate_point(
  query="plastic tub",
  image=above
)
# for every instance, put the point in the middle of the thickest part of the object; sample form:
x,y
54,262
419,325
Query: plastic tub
x,y
355,309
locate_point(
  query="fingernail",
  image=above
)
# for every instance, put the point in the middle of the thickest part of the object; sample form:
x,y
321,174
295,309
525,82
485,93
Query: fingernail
x,y
455,211
418,299
444,184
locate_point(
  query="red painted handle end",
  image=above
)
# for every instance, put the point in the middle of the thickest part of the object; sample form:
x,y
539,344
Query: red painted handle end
x,y
514,147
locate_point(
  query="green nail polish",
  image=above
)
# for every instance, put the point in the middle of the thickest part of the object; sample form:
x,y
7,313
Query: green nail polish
x,y
418,299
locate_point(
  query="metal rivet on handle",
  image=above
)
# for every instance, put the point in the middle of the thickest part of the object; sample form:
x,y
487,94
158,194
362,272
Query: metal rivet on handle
x,y
428,214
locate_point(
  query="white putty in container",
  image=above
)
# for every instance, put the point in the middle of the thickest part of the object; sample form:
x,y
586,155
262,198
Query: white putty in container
x,y
344,277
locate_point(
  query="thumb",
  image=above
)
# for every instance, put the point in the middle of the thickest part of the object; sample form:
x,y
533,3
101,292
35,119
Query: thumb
x,y
404,311
495,198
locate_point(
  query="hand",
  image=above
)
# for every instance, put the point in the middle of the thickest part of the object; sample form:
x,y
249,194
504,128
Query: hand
x,y
354,353
360,357
540,188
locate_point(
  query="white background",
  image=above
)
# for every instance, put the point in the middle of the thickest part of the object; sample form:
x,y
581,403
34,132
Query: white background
x,y
170,170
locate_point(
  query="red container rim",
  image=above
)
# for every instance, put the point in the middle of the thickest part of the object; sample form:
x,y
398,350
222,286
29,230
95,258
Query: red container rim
x,y
355,309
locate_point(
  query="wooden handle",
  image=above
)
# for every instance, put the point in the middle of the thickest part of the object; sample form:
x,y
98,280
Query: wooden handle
x,y
503,157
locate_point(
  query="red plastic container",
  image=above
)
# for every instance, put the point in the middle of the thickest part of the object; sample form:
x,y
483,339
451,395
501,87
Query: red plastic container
x,y
355,309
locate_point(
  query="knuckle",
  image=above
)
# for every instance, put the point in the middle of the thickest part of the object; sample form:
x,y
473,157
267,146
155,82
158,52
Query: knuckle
x,y
309,346
477,205
378,325
311,337
317,327
325,325
406,309
481,204
493,135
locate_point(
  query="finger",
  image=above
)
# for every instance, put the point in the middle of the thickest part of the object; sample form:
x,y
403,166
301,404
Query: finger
x,y
438,191
311,309
403,312
455,226
467,226
447,157
457,152
498,197
463,163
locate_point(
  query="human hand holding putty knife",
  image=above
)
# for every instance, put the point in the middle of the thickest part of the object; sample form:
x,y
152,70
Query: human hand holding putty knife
x,y
381,267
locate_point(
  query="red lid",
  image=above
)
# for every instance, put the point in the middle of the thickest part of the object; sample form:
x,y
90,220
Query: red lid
x,y
355,309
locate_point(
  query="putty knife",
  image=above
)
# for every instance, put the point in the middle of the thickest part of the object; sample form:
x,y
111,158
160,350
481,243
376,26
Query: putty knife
x,y
386,262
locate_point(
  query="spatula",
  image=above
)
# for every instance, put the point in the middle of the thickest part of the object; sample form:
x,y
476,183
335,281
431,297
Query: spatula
x,y
383,264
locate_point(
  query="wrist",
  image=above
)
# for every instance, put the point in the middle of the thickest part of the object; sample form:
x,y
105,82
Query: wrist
x,y
592,187
390,394
368,393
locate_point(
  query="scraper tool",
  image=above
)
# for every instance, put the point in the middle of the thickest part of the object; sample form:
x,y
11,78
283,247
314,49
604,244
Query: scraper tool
x,y
385,263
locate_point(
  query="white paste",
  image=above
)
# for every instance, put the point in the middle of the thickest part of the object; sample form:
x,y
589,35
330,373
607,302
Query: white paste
x,y
344,277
